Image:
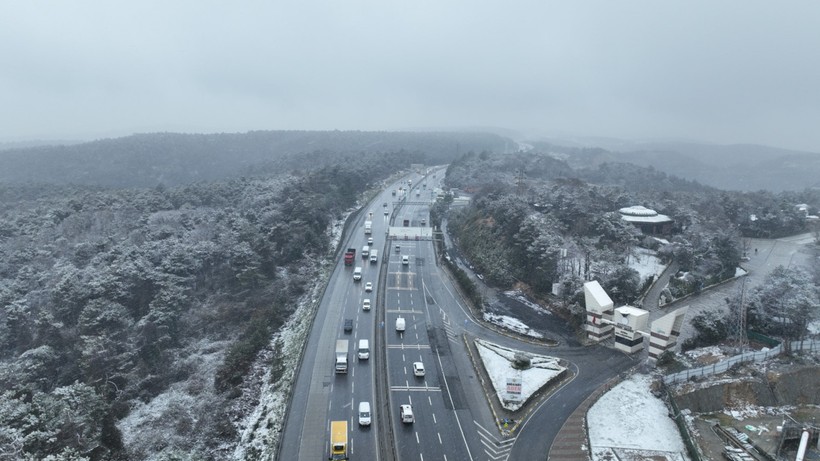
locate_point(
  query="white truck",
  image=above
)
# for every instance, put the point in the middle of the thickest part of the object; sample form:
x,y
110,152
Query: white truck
x,y
374,256
341,356
368,227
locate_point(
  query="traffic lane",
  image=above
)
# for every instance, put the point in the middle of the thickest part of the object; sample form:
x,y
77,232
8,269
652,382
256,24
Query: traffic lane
x,y
308,410
400,359
435,432
538,432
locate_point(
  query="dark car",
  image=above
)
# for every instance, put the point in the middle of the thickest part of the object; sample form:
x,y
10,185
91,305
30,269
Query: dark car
x,y
348,325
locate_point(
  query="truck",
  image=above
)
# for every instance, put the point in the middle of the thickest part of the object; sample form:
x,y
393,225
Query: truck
x,y
341,356
368,227
374,256
338,440
350,256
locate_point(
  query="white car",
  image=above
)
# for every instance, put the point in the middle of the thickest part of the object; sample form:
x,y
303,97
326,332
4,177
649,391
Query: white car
x,y
370,241
368,287
366,304
405,260
418,368
364,414
406,412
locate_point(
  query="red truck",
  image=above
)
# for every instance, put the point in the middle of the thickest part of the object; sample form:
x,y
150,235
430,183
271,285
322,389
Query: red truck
x,y
350,256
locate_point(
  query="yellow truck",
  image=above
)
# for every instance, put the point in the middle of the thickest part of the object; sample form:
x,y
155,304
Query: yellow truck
x,y
338,440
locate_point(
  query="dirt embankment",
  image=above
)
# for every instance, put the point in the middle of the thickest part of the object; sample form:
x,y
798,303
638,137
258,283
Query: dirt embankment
x,y
795,385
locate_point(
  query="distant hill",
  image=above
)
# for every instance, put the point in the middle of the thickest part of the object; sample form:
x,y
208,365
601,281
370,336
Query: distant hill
x,y
743,167
146,160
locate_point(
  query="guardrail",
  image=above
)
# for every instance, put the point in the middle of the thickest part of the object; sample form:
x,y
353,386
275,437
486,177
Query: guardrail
x,y
811,346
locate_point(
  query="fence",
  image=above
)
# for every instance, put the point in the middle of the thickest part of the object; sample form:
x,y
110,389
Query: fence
x,y
758,356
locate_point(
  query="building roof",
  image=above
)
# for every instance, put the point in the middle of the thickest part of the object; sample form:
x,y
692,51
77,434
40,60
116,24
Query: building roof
x,y
596,298
630,310
640,214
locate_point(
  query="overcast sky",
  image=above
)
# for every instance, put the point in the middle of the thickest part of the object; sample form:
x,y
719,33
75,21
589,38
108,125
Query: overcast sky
x,y
729,71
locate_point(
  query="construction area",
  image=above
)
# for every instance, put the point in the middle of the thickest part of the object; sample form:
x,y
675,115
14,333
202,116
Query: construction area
x,y
755,411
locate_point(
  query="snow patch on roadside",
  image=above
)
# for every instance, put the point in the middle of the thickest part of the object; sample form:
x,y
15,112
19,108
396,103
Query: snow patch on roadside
x,y
262,426
512,324
523,299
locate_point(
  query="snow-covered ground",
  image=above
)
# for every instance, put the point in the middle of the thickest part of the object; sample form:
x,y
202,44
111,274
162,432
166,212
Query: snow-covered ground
x,y
629,423
646,263
497,361
262,426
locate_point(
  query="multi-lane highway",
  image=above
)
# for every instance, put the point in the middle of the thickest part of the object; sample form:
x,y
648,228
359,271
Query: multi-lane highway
x,y
452,420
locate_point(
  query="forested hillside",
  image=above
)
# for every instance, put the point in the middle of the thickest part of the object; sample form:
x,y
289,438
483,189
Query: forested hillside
x,y
535,220
727,167
146,160
149,306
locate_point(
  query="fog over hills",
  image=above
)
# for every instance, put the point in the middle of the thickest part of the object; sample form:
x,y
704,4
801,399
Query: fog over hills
x,y
744,167
145,160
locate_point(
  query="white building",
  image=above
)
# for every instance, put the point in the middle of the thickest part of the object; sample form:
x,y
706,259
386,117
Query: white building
x,y
630,325
599,309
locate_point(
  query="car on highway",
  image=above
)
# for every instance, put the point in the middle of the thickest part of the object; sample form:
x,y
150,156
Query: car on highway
x,y
386,213
364,414
348,325
366,304
370,241
368,287
406,413
405,260
418,368
423,222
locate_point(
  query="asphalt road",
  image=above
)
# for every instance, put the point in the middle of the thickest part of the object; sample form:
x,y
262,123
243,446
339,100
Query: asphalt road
x,y
453,420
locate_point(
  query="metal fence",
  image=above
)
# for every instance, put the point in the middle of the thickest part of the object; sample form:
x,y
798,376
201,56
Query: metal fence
x,y
812,346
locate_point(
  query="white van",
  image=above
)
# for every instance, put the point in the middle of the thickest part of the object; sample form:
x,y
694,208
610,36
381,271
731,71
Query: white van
x,y
400,324
374,256
405,260
406,412
364,414
365,251
357,274
364,349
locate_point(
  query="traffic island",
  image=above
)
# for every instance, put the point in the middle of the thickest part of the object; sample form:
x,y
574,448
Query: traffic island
x,y
514,382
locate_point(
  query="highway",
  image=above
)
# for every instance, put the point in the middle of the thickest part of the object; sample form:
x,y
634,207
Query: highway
x,y
453,420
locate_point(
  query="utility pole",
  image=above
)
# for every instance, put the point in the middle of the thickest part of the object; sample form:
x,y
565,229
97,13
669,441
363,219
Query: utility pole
x,y
739,320
520,185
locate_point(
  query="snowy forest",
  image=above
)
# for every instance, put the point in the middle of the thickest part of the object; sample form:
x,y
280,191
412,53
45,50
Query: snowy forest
x,y
535,221
142,278
114,297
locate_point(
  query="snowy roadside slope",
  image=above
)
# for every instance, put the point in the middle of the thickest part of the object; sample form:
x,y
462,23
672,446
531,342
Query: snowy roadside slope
x,y
630,417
